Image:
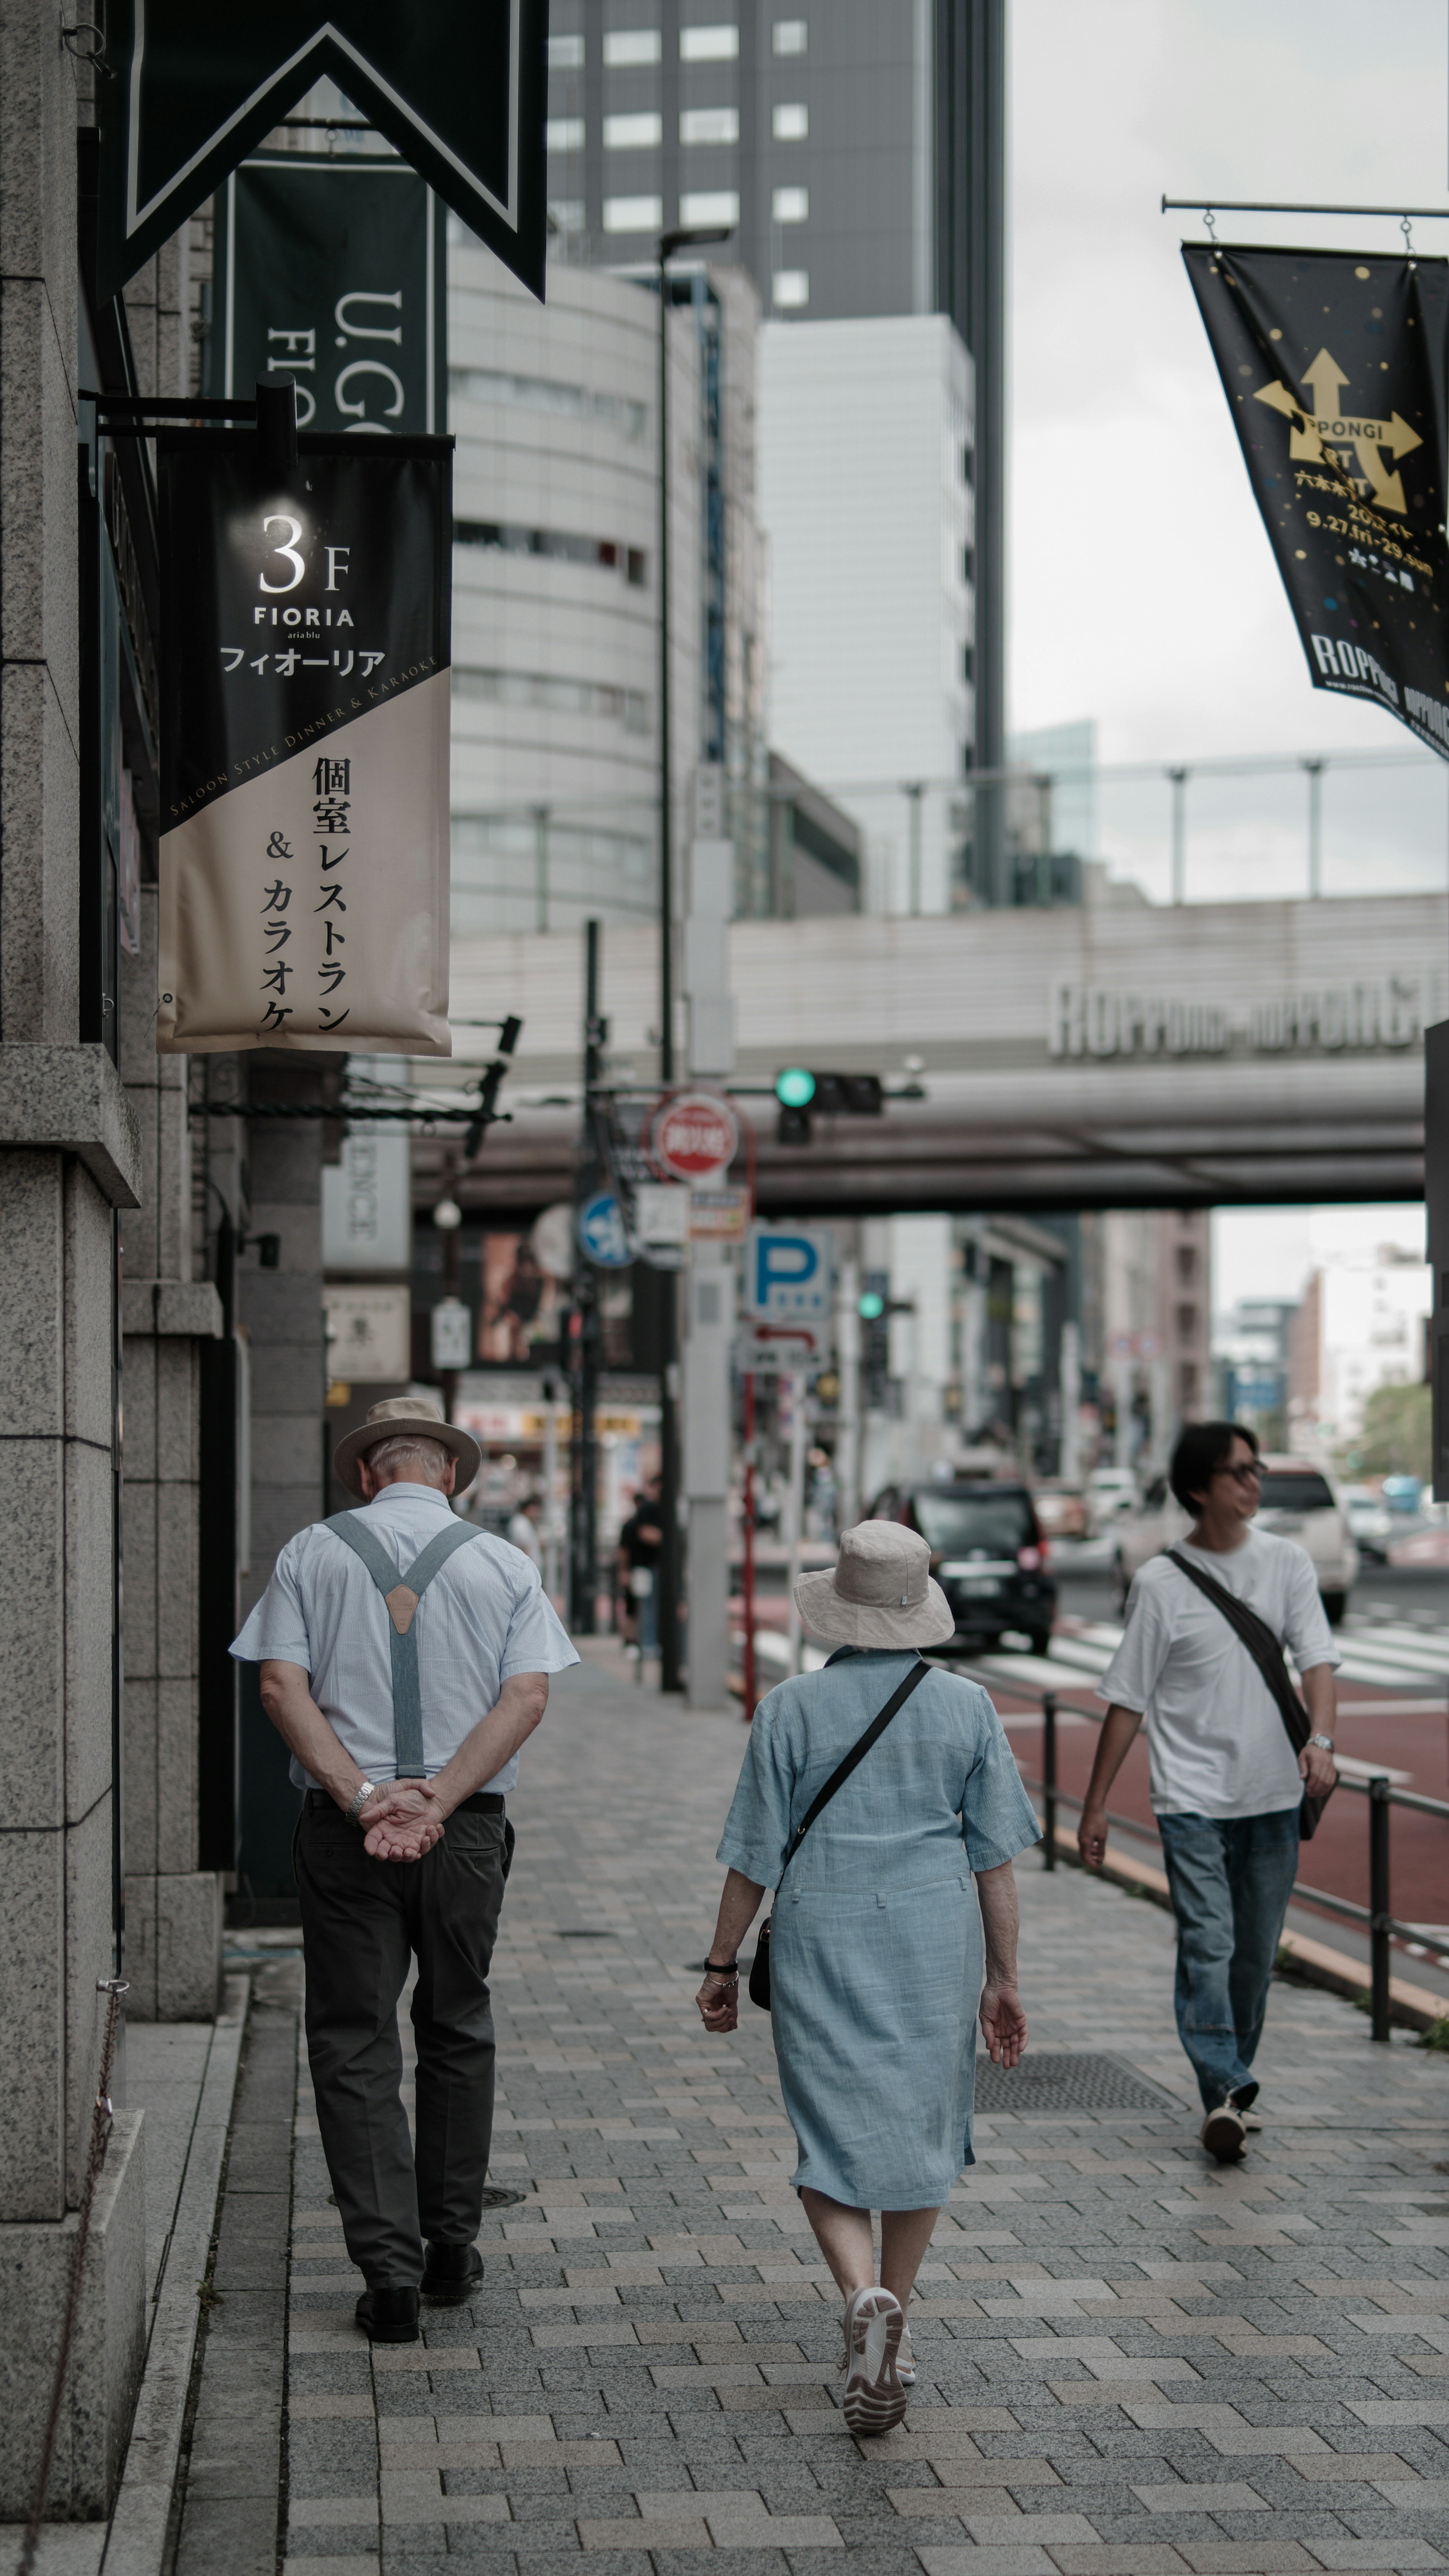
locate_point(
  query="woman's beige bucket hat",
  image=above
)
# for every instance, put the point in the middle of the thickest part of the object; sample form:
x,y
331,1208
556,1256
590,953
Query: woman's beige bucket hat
x,y
393,1419
879,1593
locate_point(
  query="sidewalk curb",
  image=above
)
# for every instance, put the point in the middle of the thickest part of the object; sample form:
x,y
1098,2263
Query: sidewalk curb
x,y
1412,2007
136,2541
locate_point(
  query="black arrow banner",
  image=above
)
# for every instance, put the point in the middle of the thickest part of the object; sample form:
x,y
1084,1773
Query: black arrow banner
x,y
1334,368
458,86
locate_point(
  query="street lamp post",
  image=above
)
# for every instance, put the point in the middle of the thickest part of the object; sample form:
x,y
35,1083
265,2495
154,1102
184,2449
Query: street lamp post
x,y
695,237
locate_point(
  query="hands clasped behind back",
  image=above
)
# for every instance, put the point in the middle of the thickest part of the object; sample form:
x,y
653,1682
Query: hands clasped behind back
x,y
401,1821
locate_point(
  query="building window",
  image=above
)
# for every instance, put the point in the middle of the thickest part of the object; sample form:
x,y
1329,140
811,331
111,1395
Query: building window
x,y
792,36
566,214
709,44
545,393
638,132
628,707
968,564
629,47
495,537
710,206
790,206
633,214
968,464
968,664
566,53
790,124
564,134
1186,1263
710,125
790,288
1187,1323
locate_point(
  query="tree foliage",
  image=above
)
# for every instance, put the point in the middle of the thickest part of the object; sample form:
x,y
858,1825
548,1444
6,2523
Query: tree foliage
x,y
1396,1439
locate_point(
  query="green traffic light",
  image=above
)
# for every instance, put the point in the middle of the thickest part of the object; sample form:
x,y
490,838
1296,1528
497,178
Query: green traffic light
x,y
872,1306
795,1088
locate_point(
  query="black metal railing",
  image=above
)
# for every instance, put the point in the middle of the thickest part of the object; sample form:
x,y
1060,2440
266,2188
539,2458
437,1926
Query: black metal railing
x,y
1377,1916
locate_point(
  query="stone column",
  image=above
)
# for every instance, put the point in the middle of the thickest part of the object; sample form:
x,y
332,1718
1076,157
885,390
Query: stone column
x,y
173,1909
69,1157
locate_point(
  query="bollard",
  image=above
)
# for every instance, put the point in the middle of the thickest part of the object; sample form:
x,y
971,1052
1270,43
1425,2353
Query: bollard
x,y
1379,1907
1049,1777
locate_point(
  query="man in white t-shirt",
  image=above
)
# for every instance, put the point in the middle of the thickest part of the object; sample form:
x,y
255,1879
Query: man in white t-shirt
x,y
1226,1783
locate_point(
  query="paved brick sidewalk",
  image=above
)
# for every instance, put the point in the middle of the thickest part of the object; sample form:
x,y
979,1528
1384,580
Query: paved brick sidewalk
x,y
1129,2362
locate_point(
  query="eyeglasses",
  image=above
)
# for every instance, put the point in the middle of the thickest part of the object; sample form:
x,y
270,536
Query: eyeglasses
x,y
1247,1475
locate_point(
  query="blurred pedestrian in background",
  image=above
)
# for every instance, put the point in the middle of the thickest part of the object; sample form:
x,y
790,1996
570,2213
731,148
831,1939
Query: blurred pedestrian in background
x,y
640,1541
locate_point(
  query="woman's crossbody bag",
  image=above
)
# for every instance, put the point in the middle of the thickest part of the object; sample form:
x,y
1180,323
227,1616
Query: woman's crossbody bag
x,y
1267,1654
760,1965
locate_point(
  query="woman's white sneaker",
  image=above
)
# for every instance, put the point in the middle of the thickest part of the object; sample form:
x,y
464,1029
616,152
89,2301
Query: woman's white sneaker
x,y
875,2400
905,2360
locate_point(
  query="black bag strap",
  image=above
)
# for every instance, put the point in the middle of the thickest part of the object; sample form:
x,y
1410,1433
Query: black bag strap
x,y
1262,1645
857,1753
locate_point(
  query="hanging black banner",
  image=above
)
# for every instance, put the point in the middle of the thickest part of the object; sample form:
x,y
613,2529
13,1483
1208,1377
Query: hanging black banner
x,y
1334,368
333,271
305,650
458,87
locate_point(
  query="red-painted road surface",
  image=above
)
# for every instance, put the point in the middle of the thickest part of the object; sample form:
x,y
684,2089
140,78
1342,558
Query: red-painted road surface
x,y
1402,1731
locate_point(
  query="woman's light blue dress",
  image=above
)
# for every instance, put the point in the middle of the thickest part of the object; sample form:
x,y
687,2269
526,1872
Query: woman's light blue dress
x,y
876,1958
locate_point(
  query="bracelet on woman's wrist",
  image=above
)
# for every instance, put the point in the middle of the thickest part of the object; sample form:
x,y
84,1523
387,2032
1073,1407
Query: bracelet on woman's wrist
x,y
732,1970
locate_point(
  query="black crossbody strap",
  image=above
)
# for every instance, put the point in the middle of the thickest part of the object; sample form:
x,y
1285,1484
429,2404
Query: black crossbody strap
x,y
1261,1643
857,1753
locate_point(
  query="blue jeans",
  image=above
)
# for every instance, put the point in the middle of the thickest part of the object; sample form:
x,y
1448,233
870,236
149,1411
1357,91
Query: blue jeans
x,y
1230,1879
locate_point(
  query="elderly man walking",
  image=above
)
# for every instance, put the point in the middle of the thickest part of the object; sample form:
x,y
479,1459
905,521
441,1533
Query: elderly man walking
x,y
405,1658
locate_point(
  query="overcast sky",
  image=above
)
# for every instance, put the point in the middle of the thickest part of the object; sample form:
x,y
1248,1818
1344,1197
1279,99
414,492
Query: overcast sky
x,y
1143,589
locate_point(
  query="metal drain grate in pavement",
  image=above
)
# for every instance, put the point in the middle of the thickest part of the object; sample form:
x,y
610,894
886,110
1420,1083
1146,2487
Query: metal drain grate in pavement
x,y
1054,2080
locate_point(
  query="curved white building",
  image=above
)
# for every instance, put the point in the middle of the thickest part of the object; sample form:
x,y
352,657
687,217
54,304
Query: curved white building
x,y
556,591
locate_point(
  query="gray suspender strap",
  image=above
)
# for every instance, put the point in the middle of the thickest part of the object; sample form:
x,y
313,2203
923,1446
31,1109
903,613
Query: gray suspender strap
x,y
402,1593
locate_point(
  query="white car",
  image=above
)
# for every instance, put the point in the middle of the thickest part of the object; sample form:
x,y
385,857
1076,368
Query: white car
x,y
1298,1501
1111,1492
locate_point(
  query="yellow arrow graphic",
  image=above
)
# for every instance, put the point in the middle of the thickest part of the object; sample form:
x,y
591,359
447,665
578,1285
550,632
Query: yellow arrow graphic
x,y
1323,379
1318,436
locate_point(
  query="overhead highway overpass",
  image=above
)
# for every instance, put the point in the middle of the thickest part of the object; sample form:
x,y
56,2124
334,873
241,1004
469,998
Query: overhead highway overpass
x,y
1118,1055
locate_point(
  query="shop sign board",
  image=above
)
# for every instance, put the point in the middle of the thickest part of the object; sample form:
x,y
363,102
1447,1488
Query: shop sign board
x,y
718,1216
333,269
369,1335
305,651
367,1203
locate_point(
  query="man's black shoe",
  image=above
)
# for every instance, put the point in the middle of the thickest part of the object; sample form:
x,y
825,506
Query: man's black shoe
x,y
389,2316
451,2274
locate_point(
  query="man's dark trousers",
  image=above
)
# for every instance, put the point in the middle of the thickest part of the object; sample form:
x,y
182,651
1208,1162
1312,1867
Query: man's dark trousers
x,y
362,1921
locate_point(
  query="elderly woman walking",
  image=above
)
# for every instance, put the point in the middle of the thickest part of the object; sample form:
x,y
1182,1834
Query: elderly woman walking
x,y
875,1942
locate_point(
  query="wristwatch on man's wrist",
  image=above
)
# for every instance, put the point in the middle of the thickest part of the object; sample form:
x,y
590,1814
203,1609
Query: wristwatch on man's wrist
x,y
365,1789
1324,1742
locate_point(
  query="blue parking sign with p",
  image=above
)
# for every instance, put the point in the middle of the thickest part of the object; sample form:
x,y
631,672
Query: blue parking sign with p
x,y
790,1273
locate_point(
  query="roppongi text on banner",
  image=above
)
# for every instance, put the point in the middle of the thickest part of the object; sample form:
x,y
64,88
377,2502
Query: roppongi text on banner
x,y
1334,368
305,644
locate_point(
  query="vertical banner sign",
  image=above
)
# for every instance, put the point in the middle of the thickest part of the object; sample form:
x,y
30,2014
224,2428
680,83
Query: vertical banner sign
x,y
333,272
1334,369
459,87
304,784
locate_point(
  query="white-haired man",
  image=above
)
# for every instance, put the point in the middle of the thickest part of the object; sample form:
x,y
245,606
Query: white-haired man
x,y
405,1659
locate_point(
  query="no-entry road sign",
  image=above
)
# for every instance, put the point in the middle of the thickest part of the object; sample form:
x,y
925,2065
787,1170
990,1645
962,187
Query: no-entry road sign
x,y
694,1136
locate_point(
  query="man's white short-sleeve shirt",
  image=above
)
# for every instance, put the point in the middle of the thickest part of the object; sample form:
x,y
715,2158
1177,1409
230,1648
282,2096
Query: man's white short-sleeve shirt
x,y
482,1619
1216,1742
